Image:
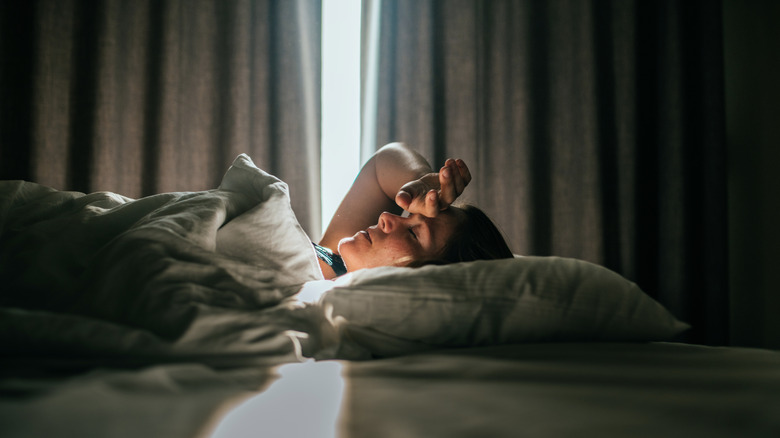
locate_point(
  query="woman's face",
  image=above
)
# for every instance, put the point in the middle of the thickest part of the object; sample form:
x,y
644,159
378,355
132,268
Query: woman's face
x,y
397,241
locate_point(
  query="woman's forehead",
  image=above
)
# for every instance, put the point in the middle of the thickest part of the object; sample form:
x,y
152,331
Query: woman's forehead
x,y
452,216
445,224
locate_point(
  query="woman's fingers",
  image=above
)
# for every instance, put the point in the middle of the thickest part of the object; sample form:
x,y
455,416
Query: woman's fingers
x,y
448,187
425,203
453,178
404,199
435,191
457,178
463,175
463,170
430,208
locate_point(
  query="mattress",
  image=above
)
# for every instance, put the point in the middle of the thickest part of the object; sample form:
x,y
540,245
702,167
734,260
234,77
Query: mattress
x,y
544,389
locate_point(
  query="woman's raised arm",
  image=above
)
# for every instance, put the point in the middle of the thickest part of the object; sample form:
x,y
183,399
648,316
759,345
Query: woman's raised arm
x,y
395,178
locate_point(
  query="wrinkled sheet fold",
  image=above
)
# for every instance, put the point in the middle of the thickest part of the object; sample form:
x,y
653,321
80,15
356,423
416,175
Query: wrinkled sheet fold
x,y
166,277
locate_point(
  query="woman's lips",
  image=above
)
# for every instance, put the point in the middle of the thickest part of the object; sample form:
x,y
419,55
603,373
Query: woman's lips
x,y
368,236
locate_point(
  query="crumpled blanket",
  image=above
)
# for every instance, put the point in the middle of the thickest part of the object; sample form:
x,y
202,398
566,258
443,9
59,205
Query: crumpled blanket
x,y
203,276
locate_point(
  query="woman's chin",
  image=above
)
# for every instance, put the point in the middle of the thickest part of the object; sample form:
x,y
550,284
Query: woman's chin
x,y
346,249
345,243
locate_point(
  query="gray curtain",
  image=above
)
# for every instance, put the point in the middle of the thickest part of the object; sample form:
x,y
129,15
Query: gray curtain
x,y
594,129
145,96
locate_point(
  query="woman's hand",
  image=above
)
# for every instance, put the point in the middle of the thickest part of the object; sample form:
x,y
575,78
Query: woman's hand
x,y
395,176
435,191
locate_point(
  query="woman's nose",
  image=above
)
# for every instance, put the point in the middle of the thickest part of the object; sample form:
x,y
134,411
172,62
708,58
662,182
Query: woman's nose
x,y
387,221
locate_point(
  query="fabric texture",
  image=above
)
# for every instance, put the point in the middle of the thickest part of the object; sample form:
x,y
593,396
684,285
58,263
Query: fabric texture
x,y
147,97
198,275
594,130
588,390
389,311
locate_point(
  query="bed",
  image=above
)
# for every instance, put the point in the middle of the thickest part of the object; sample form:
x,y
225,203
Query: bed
x,y
205,314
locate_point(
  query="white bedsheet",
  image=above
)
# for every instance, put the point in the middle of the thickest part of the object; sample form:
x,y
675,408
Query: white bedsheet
x,y
201,276
537,390
563,390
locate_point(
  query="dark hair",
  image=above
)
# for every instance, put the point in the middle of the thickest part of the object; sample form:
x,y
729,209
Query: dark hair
x,y
476,238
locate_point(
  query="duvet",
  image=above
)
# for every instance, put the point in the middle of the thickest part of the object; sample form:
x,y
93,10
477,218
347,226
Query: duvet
x,y
203,276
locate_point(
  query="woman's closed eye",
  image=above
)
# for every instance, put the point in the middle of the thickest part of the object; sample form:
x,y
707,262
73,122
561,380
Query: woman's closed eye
x,y
411,230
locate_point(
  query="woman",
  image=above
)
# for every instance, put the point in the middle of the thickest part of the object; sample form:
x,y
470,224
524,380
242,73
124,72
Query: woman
x,y
397,178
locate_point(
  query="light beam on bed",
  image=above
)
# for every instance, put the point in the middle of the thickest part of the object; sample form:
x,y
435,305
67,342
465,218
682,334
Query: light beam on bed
x,y
306,401
340,147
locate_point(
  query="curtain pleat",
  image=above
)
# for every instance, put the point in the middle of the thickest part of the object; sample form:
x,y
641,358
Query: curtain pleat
x,y
142,97
594,129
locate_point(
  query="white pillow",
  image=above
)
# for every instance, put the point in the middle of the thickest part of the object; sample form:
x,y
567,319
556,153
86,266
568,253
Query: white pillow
x,y
267,235
393,310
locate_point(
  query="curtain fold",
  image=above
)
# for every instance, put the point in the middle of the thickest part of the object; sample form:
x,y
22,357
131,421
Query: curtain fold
x,y
594,129
142,97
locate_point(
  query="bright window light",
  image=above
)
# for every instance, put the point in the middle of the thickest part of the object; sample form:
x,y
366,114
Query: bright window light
x,y
340,148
